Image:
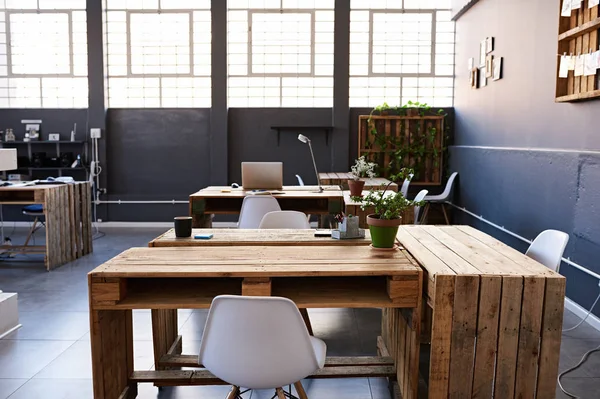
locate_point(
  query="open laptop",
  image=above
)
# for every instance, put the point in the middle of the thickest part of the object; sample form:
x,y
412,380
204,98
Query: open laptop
x,y
262,175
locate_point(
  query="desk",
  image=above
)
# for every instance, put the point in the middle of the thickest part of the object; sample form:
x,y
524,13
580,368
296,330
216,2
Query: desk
x,y
341,179
496,315
244,237
67,211
227,201
171,278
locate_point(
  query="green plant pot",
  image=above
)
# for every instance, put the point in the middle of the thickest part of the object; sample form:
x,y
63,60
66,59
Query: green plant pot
x,y
383,232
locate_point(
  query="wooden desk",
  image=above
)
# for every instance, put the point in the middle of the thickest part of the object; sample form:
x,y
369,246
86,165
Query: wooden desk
x,y
352,207
341,179
171,278
496,315
67,211
243,237
228,201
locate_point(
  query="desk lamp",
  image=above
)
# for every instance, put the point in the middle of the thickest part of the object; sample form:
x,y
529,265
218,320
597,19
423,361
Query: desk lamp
x,y
306,140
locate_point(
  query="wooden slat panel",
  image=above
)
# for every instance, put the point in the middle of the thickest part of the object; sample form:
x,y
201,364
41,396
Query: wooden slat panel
x,y
551,337
487,336
529,336
578,51
585,45
508,337
593,46
464,328
330,361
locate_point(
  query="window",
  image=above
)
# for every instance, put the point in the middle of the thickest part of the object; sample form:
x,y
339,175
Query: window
x,y
43,54
158,53
280,53
401,50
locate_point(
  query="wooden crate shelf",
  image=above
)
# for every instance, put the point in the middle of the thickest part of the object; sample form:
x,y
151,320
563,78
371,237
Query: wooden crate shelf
x,y
578,35
420,139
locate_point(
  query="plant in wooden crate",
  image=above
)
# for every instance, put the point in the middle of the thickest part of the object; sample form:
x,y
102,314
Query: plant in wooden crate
x,y
361,168
383,224
405,136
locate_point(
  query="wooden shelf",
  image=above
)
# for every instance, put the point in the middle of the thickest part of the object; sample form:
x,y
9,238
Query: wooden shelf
x,y
580,30
43,142
279,129
578,97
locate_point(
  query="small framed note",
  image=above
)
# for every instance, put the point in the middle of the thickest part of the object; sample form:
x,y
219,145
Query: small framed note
x,y
489,66
497,68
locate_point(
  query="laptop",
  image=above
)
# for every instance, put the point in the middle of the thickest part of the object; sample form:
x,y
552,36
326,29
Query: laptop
x,y
262,175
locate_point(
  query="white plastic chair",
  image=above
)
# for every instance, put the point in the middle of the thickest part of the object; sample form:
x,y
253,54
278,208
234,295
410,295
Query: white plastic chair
x,y
405,184
300,181
284,220
254,207
269,348
441,198
548,248
419,198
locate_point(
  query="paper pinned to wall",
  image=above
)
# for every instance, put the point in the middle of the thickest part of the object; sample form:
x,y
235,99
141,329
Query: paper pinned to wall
x,y
593,3
597,55
579,65
575,4
571,62
591,64
563,69
566,8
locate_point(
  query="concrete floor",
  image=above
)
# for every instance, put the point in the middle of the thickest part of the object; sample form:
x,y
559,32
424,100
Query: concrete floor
x,y
49,357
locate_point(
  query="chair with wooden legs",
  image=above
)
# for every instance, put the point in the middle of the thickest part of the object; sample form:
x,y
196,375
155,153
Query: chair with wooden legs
x,y
37,212
440,198
259,343
417,209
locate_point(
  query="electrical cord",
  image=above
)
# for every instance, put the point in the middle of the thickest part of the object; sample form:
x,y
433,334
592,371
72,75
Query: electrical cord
x,y
585,318
583,359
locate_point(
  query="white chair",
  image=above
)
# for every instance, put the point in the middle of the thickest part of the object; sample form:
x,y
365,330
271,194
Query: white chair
x,y
548,248
269,348
441,198
300,181
254,207
405,184
419,198
284,220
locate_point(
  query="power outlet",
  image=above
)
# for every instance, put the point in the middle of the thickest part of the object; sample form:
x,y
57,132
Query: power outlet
x,y
95,133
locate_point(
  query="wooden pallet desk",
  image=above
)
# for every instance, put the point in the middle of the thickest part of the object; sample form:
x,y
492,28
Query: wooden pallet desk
x,y
228,201
341,179
496,315
67,212
246,237
171,278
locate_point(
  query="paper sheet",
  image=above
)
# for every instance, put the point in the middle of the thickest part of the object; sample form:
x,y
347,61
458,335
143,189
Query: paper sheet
x,y
597,55
563,70
579,65
576,4
566,8
591,64
571,62
594,3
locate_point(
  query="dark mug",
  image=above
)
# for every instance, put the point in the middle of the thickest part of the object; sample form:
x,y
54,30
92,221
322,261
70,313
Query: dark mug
x,y
183,226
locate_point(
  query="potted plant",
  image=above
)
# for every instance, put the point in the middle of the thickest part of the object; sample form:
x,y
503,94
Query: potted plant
x,y
361,168
383,224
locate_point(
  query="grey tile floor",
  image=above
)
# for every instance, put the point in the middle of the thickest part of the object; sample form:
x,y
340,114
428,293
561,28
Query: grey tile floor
x,y
49,357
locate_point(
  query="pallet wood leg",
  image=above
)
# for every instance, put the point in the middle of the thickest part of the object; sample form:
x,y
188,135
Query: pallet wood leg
x,y
300,390
304,313
111,337
164,334
202,221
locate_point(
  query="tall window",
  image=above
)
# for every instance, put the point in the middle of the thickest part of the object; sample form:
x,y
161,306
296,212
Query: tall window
x,y
158,53
43,54
401,50
280,53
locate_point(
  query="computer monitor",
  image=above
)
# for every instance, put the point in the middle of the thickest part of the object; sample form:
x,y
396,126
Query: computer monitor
x,y
262,175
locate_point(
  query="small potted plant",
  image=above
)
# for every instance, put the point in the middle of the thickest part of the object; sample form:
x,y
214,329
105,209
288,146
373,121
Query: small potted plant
x,y
384,223
361,168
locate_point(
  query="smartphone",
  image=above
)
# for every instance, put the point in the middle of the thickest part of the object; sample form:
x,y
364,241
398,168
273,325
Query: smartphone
x,y
322,233
203,236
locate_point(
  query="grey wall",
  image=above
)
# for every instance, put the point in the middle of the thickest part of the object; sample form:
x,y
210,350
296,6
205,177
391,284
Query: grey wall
x,y
526,162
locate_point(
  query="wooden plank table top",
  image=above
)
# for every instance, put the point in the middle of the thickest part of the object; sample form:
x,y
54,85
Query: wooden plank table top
x,y
285,192
247,237
341,179
258,261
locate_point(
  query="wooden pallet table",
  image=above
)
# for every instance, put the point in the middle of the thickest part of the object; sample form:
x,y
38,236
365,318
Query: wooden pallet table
x,y
67,214
341,179
190,277
228,201
247,237
496,315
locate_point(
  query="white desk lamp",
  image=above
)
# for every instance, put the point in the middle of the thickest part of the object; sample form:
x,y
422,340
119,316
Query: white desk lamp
x,y
306,140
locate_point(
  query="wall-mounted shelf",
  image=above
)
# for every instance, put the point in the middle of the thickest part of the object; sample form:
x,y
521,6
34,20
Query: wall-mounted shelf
x,y
44,142
51,168
299,129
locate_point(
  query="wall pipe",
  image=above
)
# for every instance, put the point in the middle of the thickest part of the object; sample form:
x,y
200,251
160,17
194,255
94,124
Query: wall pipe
x,y
568,261
120,202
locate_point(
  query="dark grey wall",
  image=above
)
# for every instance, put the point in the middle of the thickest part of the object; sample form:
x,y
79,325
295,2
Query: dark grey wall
x,y
53,121
156,154
526,162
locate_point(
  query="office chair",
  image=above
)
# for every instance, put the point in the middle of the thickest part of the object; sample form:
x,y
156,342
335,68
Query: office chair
x,y
441,198
548,248
254,208
284,220
36,211
417,209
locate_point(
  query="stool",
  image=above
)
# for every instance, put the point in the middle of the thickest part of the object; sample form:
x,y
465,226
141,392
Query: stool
x,y
37,212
